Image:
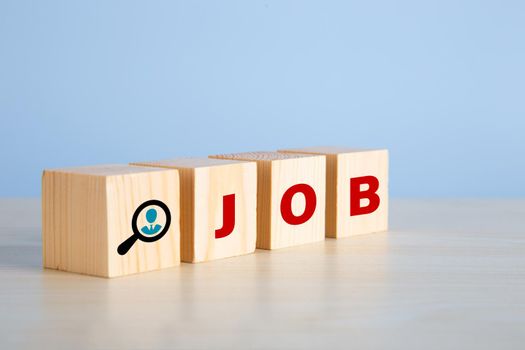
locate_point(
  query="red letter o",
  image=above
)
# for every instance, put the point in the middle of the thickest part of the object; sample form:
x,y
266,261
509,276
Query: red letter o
x,y
286,204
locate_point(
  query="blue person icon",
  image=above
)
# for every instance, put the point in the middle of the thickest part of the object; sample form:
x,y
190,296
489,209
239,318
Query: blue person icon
x,y
151,216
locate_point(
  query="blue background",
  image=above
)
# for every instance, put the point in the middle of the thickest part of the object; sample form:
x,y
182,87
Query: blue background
x,y
439,83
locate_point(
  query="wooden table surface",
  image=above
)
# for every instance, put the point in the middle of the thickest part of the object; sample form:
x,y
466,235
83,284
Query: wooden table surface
x,y
450,274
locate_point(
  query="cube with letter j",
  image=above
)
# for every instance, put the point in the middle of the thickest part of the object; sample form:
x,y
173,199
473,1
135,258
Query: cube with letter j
x,y
218,207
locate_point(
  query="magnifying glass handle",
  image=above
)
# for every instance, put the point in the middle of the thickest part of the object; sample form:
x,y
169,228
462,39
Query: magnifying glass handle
x,y
126,245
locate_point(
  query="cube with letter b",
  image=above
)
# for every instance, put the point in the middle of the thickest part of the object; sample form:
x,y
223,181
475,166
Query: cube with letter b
x,y
356,189
290,197
110,220
218,207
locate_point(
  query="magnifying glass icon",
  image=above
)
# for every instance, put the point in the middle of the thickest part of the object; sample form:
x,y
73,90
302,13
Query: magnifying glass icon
x,y
146,235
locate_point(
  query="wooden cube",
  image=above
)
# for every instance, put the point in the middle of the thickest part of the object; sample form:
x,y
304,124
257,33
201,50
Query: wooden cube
x,y
218,206
290,197
110,220
356,189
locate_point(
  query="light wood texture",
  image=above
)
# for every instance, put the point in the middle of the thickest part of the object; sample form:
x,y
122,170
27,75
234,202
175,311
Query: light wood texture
x,y
87,214
450,274
204,183
342,164
276,173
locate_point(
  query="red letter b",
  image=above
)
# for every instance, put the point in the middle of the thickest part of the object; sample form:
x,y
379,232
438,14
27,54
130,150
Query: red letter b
x,y
356,195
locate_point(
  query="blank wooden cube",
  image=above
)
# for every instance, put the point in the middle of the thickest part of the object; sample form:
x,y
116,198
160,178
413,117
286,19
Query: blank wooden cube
x,y
356,189
290,197
218,206
88,212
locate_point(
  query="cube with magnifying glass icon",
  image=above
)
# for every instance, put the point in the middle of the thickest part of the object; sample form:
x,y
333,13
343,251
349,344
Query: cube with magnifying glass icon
x,y
110,220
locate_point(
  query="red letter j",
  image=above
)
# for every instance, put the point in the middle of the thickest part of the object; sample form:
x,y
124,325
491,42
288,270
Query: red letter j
x,y
228,216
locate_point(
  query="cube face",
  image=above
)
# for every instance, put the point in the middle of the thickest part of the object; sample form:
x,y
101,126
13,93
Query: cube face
x,y
225,211
364,169
287,185
367,166
300,176
125,194
87,214
219,207
74,217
